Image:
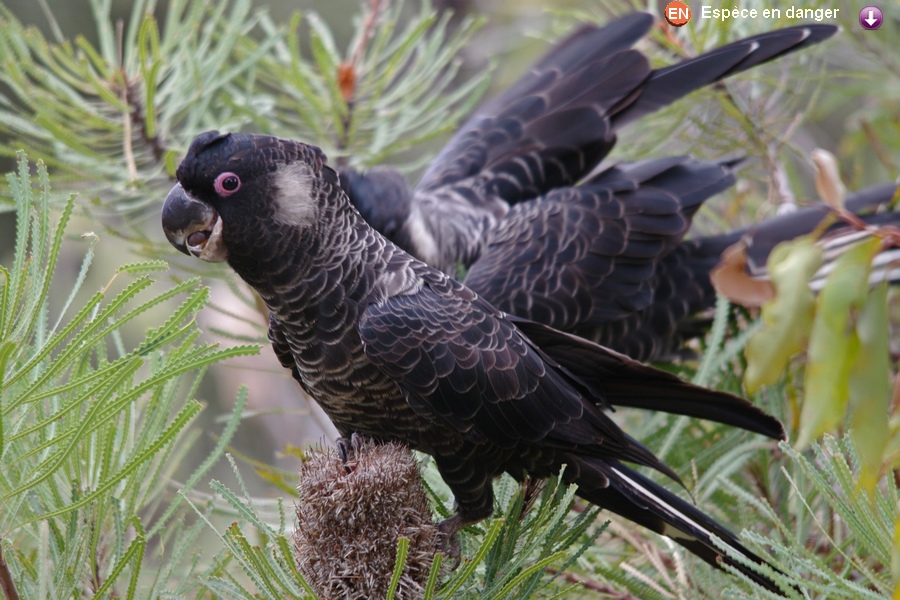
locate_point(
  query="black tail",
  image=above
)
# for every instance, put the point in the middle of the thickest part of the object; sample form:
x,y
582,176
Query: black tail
x,y
683,291
615,487
626,382
763,237
639,499
668,84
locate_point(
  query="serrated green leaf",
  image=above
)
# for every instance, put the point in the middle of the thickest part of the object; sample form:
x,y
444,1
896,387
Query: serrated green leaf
x,y
433,575
895,556
288,556
486,544
79,280
530,571
148,266
221,445
68,440
255,566
399,565
132,556
178,424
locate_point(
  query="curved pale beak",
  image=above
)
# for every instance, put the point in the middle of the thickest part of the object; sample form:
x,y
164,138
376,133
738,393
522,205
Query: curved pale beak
x,y
192,226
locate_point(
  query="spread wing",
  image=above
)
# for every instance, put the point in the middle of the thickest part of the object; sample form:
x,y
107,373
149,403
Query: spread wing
x,y
560,119
460,361
579,258
551,126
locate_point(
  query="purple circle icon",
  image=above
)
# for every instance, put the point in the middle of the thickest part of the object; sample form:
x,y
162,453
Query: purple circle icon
x,y
870,17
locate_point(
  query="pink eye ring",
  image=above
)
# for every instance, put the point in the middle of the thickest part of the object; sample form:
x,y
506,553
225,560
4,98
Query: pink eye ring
x,y
227,183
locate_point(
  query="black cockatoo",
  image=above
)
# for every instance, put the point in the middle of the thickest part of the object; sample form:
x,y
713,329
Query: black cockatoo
x,y
394,349
516,198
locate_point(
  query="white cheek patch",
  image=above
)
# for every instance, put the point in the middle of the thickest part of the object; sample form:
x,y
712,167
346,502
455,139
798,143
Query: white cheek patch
x,y
296,205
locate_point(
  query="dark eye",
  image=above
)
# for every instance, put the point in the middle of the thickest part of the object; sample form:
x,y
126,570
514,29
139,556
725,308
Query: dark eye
x,y
227,183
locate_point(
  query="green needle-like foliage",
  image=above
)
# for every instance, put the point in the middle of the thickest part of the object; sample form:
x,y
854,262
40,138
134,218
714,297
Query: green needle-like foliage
x,y
841,546
395,86
92,426
118,115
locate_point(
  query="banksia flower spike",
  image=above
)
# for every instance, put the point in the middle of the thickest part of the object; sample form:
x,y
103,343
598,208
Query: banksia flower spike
x,y
350,516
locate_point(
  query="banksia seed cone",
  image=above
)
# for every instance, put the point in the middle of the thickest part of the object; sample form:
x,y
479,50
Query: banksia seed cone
x,y
350,517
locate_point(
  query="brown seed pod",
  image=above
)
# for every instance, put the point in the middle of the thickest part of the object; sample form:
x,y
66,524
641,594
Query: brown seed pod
x,y
350,516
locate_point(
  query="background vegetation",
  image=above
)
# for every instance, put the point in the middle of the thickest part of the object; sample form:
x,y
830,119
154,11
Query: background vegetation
x,y
126,473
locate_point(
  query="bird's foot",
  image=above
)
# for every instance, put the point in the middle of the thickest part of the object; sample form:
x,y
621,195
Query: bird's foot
x,y
448,540
531,490
349,450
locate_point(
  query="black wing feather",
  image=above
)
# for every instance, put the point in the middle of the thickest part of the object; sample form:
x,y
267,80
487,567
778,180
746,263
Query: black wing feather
x,y
501,387
668,84
581,257
554,115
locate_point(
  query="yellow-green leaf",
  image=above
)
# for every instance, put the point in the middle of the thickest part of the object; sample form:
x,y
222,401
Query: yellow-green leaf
x,y
870,388
788,318
834,343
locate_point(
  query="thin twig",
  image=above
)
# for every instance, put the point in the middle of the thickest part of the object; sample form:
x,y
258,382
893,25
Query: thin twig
x,y
126,142
375,8
126,117
881,153
592,585
779,186
352,68
155,143
130,97
7,585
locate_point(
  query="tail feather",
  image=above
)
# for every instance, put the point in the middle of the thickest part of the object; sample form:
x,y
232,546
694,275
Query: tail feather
x,y
764,236
639,499
683,292
627,382
668,84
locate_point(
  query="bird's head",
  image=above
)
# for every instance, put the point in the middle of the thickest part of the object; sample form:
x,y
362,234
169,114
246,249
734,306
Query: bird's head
x,y
234,189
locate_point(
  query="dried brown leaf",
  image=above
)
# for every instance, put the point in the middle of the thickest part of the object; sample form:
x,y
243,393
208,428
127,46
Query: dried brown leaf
x,y
347,81
730,278
828,179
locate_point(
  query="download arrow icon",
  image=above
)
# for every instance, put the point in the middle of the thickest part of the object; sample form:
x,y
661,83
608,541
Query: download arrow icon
x,y
870,17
